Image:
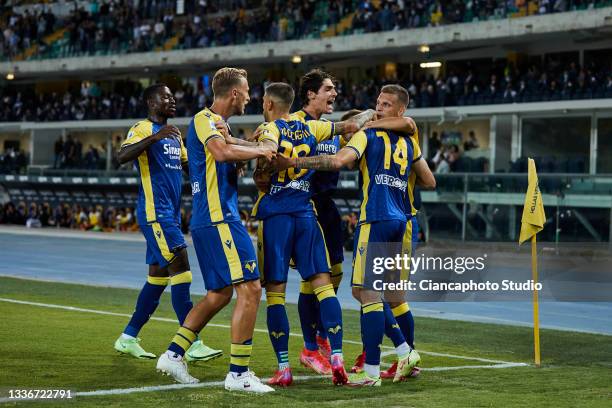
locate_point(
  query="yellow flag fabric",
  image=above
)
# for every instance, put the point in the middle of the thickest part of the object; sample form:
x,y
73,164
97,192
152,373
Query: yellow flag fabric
x,y
533,212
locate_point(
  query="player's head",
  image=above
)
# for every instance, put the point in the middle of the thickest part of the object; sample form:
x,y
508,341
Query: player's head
x,y
231,84
348,115
318,92
277,100
392,101
159,101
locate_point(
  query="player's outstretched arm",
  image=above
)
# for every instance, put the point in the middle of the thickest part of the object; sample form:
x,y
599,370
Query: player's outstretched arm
x,y
353,124
221,126
131,152
346,157
223,152
425,178
398,124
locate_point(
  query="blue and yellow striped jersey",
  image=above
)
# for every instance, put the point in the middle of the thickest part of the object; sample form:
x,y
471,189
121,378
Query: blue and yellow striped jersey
x,y
161,174
323,181
385,159
291,189
214,185
411,208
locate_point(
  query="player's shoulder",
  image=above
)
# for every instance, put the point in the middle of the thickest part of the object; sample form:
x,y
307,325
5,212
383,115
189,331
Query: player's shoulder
x,y
141,125
207,113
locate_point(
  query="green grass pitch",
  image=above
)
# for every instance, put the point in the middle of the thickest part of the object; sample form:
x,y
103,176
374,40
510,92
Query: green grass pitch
x,y
56,348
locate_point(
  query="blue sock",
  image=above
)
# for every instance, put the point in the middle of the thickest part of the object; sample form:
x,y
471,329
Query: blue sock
x,y
372,330
147,302
404,318
320,327
278,326
331,316
181,300
308,311
392,328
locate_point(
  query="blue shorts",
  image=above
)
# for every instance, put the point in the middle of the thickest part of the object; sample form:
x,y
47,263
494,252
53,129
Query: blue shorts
x,y
226,255
396,235
164,240
283,237
331,224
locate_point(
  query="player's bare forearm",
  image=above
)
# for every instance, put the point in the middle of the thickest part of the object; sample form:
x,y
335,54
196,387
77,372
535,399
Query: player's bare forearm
x,y
333,162
397,124
131,152
223,152
240,142
353,124
323,163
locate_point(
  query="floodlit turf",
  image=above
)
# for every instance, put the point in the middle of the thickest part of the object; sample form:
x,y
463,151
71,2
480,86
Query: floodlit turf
x,y
44,348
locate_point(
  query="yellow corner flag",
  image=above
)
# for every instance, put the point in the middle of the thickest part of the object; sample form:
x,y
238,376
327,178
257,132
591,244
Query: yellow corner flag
x,y
533,222
533,212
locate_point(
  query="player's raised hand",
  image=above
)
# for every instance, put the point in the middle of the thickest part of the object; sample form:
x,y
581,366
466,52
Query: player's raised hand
x,y
255,135
168,132
222,128
268,155
282,162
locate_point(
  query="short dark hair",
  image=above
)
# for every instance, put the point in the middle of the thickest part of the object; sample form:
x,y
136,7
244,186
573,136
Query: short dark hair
x,y
227,78
150,92
397,90
350,114
282,92
312,81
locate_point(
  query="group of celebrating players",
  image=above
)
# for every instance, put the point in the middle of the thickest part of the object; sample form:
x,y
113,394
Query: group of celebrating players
x,y
298,157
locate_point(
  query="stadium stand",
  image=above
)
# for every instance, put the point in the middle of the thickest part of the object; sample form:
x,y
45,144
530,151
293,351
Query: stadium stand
x,y
111,27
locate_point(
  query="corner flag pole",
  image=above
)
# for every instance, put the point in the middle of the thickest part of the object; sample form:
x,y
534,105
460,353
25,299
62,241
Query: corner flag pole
x,y
536,306
533,222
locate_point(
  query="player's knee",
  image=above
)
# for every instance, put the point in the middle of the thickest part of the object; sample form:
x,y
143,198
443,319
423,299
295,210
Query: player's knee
x,y
356,293
180,263
156,271
220,297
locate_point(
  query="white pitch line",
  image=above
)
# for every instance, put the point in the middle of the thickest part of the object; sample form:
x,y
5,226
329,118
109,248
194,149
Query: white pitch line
x,y
225,326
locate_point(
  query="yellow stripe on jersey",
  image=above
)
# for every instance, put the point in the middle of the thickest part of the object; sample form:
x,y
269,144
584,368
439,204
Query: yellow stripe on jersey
x,y
204,123
141,130
269,131
161,241
363,167
147,186
212,188
412,177
231,253
321,130
183,151
358,143
360,257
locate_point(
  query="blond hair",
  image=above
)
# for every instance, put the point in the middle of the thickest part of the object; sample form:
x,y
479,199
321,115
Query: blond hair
x,y
227,78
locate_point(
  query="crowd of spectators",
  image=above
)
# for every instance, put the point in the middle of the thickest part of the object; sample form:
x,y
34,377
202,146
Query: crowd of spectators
x,y
65,215
118,26
109,218
463,84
